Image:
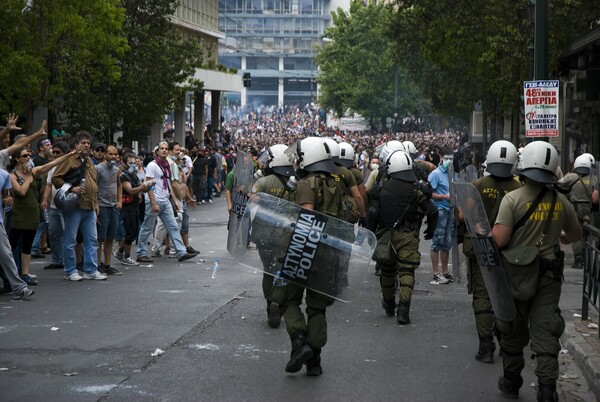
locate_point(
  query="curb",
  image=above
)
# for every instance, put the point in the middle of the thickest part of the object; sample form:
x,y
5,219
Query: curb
x,y
584,354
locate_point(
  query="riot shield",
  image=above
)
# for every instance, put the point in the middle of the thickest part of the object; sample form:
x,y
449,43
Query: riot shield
x,y
454,211
486,251
468,174
242,185
302,246
471,173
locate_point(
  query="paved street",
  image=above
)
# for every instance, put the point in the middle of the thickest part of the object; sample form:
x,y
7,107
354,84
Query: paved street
x,y
90,341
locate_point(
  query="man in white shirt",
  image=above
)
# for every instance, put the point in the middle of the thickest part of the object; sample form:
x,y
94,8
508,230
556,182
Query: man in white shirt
x,y
159,205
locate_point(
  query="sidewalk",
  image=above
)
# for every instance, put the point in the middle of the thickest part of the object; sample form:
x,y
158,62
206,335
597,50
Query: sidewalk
x,y
580,338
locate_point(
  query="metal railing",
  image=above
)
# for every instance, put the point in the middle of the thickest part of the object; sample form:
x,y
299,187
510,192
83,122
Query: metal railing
x,y
591,270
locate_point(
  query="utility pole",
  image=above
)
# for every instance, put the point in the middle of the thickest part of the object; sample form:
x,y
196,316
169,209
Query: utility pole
x,y
540,44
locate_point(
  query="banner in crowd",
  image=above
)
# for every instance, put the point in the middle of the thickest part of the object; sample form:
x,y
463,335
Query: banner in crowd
x,y
541,108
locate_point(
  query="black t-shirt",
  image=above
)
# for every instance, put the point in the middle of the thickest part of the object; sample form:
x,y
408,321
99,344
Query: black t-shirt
x,y
135,182
199,165
212,165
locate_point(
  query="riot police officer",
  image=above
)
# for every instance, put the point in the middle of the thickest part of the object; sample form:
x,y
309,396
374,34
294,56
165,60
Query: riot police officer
x,y
277,171
531,219
499,181
373,185
583,193
421,168
316,176
402,207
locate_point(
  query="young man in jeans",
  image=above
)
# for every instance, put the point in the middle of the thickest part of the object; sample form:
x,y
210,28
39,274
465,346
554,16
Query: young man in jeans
x,y
159,205
442,237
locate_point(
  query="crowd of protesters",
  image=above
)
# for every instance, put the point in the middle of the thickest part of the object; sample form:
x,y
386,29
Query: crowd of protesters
x,y
196,172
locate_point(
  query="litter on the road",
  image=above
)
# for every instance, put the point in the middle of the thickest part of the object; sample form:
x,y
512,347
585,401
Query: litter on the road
x,y
54,329
593,326
3,368
576,315
444,346
157,352
71,374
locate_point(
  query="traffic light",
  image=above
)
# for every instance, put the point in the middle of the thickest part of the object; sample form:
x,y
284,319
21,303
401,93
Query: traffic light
x,y
246,80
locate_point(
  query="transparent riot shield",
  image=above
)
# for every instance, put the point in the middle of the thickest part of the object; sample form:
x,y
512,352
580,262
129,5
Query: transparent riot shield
x,y
468,174
486,251
242,185
302,246
471,173
454,211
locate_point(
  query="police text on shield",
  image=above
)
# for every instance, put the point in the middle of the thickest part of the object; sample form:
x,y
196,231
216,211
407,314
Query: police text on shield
x,y
303,246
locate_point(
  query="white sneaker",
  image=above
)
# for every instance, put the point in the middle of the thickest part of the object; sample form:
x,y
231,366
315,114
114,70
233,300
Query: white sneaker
x,y
129,261
75,277
96,276
32,276
439,278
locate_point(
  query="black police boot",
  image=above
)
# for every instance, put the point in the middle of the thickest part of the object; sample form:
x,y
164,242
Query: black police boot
x,y
274,315
402,315
301,353
547,391
578,262
389,305
486,350
313,366
510,384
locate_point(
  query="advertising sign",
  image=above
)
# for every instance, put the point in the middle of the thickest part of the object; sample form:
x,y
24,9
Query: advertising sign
x,y
541,108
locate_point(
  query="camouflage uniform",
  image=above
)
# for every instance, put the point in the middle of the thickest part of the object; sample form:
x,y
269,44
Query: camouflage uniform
x,y
490,188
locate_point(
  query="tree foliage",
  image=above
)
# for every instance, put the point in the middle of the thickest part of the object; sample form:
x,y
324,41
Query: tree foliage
x,y
59,47
458,52
357,63
105,64
160,58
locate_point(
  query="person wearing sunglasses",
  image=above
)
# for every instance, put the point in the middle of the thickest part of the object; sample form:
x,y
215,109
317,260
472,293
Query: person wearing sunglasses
x,y
26,208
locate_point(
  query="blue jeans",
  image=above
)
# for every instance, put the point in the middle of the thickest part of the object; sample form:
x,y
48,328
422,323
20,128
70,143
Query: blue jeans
x,y
168,219
442,236
84,219
35,247
55,234
11,273
210,181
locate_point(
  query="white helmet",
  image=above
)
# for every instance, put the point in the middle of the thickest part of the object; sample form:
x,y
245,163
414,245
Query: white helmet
x,y
400,166
314,155
500,158
583,164
409,147
538,161
592,159
346,158
334,147
278,161
388,148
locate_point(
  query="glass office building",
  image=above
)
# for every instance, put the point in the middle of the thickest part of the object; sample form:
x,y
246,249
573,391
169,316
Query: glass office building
x,y
274,41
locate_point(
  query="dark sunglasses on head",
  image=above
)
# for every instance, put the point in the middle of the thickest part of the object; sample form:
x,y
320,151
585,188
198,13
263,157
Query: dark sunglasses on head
x,y
56,152
25,156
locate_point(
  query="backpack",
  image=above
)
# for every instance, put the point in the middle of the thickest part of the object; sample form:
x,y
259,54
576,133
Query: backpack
x,y
329,198
349,206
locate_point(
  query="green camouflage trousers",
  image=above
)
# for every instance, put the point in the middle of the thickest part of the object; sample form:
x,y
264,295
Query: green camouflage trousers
x,y
538,320
402,272
482,306
289,297
584,215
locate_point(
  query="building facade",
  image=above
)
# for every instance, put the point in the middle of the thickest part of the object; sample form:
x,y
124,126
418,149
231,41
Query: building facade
x,y
200,19
275,41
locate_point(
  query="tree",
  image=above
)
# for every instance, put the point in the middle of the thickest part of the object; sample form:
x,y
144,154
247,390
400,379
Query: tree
x,y
159,61
59,47
356,65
